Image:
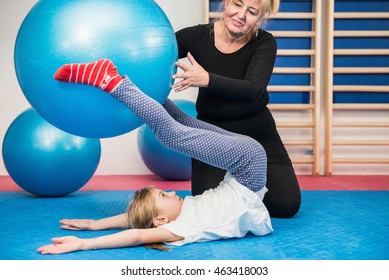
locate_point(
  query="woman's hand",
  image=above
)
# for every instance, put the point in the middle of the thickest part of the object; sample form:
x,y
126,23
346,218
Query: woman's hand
x,y
66,244
193,75
78,224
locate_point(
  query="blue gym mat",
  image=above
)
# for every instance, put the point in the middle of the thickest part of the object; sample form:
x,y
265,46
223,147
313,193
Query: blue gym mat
x,y
331,225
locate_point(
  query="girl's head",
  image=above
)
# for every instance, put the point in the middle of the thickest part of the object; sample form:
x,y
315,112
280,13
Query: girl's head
x,y
142,209
153,207
248,15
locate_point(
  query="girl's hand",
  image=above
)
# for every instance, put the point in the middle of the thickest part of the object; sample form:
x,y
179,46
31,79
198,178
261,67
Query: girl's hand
x,y
66,244
193,75
78,224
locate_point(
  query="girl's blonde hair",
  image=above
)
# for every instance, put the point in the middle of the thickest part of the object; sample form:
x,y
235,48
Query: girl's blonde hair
x,y
142,210
141,213
268,8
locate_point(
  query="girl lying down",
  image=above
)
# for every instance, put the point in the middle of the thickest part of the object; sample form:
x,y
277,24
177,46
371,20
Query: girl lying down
x,y
155,217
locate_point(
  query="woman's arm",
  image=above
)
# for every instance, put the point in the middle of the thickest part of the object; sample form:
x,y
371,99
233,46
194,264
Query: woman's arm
x,y
127,238
118,221
256,79
253,80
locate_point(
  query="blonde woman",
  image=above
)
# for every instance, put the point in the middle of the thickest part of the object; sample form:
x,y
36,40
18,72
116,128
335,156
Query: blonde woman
x,y
231,61
156,216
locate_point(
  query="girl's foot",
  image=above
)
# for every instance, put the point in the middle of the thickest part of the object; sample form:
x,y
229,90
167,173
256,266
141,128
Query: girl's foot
x,y
101,74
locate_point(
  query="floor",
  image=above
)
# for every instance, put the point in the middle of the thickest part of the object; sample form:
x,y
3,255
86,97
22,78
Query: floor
x,y
341,218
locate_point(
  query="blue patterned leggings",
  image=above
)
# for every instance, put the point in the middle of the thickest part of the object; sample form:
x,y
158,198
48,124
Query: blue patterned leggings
x,y
243,157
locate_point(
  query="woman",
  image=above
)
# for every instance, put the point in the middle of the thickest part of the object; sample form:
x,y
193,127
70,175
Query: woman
x,y
232,60
155,216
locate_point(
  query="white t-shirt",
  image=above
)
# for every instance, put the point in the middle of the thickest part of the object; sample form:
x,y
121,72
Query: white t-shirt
x,y
230,210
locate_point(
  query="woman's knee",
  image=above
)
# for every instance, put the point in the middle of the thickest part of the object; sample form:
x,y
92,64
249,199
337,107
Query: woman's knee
x,y
283,199
282,207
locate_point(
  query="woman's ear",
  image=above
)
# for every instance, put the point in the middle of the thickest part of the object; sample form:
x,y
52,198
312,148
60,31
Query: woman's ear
x,y
160,220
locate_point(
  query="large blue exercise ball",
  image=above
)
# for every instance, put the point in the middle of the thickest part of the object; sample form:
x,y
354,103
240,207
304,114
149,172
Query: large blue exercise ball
x,y
163,161
46,161
136,35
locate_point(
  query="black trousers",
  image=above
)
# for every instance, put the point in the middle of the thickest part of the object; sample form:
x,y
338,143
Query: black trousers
x,y
282,200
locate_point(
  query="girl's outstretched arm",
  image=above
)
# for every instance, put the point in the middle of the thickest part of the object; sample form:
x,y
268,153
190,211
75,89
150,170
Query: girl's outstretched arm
x,y
118,221
126,238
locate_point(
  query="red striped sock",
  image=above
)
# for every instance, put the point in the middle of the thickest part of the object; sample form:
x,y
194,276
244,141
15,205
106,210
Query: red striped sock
x,y
101,74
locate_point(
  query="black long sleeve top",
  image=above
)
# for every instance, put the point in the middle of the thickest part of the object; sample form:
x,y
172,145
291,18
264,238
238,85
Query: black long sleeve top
x,y
237,81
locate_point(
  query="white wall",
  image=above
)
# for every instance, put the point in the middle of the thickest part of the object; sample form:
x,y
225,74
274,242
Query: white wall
x,y
120,154
12,101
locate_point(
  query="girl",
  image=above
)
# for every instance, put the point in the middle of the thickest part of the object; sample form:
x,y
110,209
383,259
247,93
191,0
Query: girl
x,y
232,209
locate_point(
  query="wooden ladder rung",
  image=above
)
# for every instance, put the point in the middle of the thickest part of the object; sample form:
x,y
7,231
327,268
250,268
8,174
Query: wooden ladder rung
x,y
293,34
361,160
291,107
360,88
294,70
290,88
361,33
360,142
360,106
295,124
282,15
358,15
361,51
296,52
215,14
361,70
360,124
302,160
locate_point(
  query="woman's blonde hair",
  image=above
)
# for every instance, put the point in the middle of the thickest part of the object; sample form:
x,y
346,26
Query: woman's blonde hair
x,y
268,8
141,213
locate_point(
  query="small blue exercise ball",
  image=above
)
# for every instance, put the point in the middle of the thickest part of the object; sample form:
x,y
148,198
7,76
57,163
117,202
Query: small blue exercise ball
x,y
162,161
46,161
136,35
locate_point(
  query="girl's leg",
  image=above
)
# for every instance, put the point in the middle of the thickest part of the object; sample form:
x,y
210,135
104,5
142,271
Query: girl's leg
x,y
241,156
187,120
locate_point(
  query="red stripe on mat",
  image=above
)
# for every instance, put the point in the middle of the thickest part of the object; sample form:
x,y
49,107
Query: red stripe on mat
x,y
112,182
345,182
134,182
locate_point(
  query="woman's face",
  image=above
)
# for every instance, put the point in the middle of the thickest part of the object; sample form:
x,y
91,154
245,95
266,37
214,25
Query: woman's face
x,y
241,16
